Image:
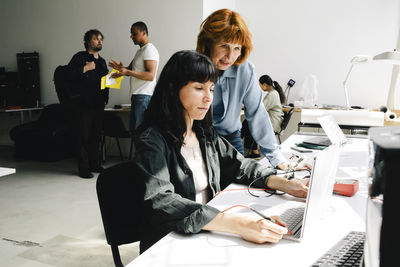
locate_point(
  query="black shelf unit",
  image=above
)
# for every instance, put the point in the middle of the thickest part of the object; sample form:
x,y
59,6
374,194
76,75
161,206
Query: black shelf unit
x,y
28,79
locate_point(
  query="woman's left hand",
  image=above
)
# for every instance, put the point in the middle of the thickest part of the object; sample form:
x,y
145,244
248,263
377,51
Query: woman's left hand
x,y
287,166
283,165
295,187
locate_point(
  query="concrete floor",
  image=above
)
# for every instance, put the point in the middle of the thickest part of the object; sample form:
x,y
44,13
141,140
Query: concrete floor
x,y
50,217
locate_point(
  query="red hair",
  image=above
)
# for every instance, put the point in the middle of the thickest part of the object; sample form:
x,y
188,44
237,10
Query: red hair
x,y
224,25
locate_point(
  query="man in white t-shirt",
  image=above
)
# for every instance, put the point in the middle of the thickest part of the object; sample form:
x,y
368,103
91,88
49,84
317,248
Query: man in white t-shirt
x,y
142,71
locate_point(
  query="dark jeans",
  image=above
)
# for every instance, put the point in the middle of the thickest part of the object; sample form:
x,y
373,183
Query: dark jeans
x,y
235,139
89,127
249,142
139,104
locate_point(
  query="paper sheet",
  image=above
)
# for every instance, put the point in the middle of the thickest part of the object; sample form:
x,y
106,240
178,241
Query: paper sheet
x,y
108,81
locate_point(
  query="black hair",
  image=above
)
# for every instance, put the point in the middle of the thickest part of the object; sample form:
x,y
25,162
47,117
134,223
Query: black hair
x,y
88,36
165,110
266,79
141,26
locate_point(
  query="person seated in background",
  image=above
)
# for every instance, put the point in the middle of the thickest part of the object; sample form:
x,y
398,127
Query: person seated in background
x,y
183,162
272,101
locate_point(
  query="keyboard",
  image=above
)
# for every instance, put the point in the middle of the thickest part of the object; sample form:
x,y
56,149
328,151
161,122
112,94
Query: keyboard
x,y
347,252
293,217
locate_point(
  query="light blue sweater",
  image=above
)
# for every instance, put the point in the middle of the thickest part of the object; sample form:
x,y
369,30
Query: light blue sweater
x,y
236,86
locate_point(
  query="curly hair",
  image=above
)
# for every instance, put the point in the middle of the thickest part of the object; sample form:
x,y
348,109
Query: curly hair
x,y
88,36
224,25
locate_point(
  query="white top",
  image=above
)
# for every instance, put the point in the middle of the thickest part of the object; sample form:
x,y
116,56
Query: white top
x,y
142,87
272,104
193,157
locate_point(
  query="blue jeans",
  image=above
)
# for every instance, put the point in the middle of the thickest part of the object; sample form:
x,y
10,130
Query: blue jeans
x,y
139,104
235,140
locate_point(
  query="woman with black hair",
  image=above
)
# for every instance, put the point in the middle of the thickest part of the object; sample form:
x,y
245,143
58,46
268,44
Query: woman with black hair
x,y
272,101
184,163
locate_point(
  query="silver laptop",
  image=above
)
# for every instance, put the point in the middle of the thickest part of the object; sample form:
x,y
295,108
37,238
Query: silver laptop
x,y
331,128
299,213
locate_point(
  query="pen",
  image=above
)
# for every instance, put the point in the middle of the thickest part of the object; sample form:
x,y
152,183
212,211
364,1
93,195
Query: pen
x,y
262,215
270,219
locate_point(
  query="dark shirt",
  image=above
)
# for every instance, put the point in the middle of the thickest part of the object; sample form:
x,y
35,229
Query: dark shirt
x,y
90,82
169,200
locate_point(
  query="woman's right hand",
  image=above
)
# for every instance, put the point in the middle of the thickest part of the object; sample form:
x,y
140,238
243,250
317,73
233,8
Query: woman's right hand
x,y
249,227
259,230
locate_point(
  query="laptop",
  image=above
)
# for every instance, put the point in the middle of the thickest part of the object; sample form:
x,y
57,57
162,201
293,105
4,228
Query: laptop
x,y
299,213
331,128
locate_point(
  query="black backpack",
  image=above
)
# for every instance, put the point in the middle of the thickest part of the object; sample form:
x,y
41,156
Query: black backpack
x,y
67,86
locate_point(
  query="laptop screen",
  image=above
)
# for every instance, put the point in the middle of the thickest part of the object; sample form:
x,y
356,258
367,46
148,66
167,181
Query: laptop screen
x,y
298,213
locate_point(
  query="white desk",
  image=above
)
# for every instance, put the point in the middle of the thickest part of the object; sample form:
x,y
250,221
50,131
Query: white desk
x,y
217,249
21,112
6,171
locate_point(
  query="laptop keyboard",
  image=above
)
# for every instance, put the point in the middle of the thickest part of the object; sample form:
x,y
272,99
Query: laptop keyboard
x,y
293,217
347,252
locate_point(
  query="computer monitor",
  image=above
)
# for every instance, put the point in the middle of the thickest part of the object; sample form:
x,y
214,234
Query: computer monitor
x,y
382,234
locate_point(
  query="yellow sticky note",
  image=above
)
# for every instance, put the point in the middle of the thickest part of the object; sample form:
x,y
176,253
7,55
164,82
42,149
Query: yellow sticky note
x,y
108,81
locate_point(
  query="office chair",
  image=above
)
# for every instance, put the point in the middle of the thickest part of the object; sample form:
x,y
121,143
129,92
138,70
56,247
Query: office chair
x,y
286,118
120,196
113,126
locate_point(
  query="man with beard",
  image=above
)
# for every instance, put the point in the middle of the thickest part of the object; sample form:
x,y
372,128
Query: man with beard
x,y
88,66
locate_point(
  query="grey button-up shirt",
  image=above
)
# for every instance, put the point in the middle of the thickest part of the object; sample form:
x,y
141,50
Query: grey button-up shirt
x,y
169,199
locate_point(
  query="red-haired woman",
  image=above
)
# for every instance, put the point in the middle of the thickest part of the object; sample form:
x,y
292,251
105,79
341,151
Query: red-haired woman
x,y
226,40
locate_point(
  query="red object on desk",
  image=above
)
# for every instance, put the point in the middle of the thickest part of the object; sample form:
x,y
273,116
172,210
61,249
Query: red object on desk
x,y
10,107
346,187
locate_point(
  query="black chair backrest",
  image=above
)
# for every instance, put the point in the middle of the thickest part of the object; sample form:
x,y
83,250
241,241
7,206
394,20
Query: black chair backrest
x,y
114,126
120,196
286,118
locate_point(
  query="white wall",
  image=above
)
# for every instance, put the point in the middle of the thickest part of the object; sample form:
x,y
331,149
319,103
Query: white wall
x,y
210,6
293,39
55,29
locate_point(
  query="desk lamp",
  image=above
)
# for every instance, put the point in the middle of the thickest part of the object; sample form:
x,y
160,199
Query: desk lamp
x,y
392,57
355,60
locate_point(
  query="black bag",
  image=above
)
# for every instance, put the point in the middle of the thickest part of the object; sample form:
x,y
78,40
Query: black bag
x,y
67,87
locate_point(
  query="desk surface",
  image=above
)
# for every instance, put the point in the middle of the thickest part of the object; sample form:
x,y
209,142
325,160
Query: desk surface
x,y
218,249
20,109
385,123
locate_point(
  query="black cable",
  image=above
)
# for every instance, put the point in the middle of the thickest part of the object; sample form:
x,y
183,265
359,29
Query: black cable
x,y
271,191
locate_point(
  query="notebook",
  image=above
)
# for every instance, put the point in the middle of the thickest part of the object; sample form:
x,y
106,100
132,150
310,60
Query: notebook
x,y
318,141
318,199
